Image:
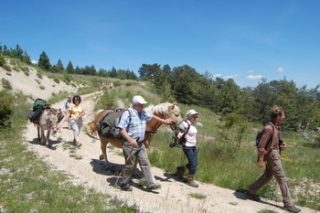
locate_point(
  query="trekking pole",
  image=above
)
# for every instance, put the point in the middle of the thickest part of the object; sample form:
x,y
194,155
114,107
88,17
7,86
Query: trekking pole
x,y
125,163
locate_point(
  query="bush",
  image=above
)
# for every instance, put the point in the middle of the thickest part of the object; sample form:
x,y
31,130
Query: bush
x,y
106,101
2,61
6,84
6,108
6,67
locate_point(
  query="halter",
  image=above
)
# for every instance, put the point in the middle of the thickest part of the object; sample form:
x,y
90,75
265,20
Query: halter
x,y
176,124
55,127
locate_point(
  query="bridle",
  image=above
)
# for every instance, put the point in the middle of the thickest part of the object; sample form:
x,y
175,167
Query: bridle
x,y
171,126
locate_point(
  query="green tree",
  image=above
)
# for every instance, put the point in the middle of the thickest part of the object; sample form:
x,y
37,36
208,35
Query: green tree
x,y
102,73
44,62
228,96
113,73
69,68
26,58
17,52
308,104
205,92
182,81
77,70
131,75
92,70
58,68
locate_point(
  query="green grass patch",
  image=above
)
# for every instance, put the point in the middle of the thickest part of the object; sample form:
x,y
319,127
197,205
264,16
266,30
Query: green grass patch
x,y
198,196
227,157
29,184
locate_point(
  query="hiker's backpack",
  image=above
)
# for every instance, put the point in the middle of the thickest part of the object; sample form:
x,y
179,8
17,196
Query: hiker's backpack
x,y
39,104
37,108
182,140
108,125
260,133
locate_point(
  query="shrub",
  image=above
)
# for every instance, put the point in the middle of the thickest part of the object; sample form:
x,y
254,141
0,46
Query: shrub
x,y
2,61
106,101
6,67
6,84
117,83
6,108
56,80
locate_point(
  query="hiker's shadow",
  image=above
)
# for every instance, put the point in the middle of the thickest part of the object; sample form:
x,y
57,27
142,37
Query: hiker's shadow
x,y
99,167
54,143
170,177
116,182
239,193
93,137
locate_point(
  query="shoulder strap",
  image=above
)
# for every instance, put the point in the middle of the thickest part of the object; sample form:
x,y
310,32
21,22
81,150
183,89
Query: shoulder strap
x,y
184,134
129,118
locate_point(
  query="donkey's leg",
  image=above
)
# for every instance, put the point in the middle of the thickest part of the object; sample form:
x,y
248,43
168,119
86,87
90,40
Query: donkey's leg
x,y
48,138
43,137
38,130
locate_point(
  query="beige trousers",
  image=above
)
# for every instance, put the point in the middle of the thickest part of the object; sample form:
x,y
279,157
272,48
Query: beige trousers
x,y
273,168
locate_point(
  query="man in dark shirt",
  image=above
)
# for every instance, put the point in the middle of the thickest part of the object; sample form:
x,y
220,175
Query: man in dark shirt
x,y
270,152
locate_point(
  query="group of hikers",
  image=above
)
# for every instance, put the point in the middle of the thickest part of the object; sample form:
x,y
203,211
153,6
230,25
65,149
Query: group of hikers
x,y
269,147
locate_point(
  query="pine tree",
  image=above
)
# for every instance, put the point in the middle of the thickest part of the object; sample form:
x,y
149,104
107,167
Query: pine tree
x,y
44,62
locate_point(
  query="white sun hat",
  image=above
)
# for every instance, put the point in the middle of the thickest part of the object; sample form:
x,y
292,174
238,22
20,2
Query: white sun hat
x,y
191,112
138,100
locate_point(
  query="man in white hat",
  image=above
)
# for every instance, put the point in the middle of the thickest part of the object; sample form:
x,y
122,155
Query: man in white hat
x,y
190,148
132,143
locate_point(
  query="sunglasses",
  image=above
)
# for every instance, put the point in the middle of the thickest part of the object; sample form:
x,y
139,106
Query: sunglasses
x,y
194,117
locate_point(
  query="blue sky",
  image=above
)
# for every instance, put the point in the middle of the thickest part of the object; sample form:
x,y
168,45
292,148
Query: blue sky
x,y
240,39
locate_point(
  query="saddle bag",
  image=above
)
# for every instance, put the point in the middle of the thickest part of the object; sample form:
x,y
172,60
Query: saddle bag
x,y
34,115
108,125
39,104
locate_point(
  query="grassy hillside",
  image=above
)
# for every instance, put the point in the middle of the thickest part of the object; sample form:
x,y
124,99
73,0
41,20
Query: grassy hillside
x,y
227,153
227,156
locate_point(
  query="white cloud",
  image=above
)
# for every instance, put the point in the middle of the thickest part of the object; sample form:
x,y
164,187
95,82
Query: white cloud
x,y
250,71
34,62
237,75
254,77
280,69
232,76
216,76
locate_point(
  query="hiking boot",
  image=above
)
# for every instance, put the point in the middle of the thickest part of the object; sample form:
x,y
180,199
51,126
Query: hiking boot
x,y
125,187
251,196
180,171
78,144
292,209
191,182
153,186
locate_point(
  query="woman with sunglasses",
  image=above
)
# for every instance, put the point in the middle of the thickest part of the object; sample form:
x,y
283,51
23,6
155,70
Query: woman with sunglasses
x,y
190,148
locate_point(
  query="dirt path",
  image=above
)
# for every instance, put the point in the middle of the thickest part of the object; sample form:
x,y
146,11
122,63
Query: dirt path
x,y
172,197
